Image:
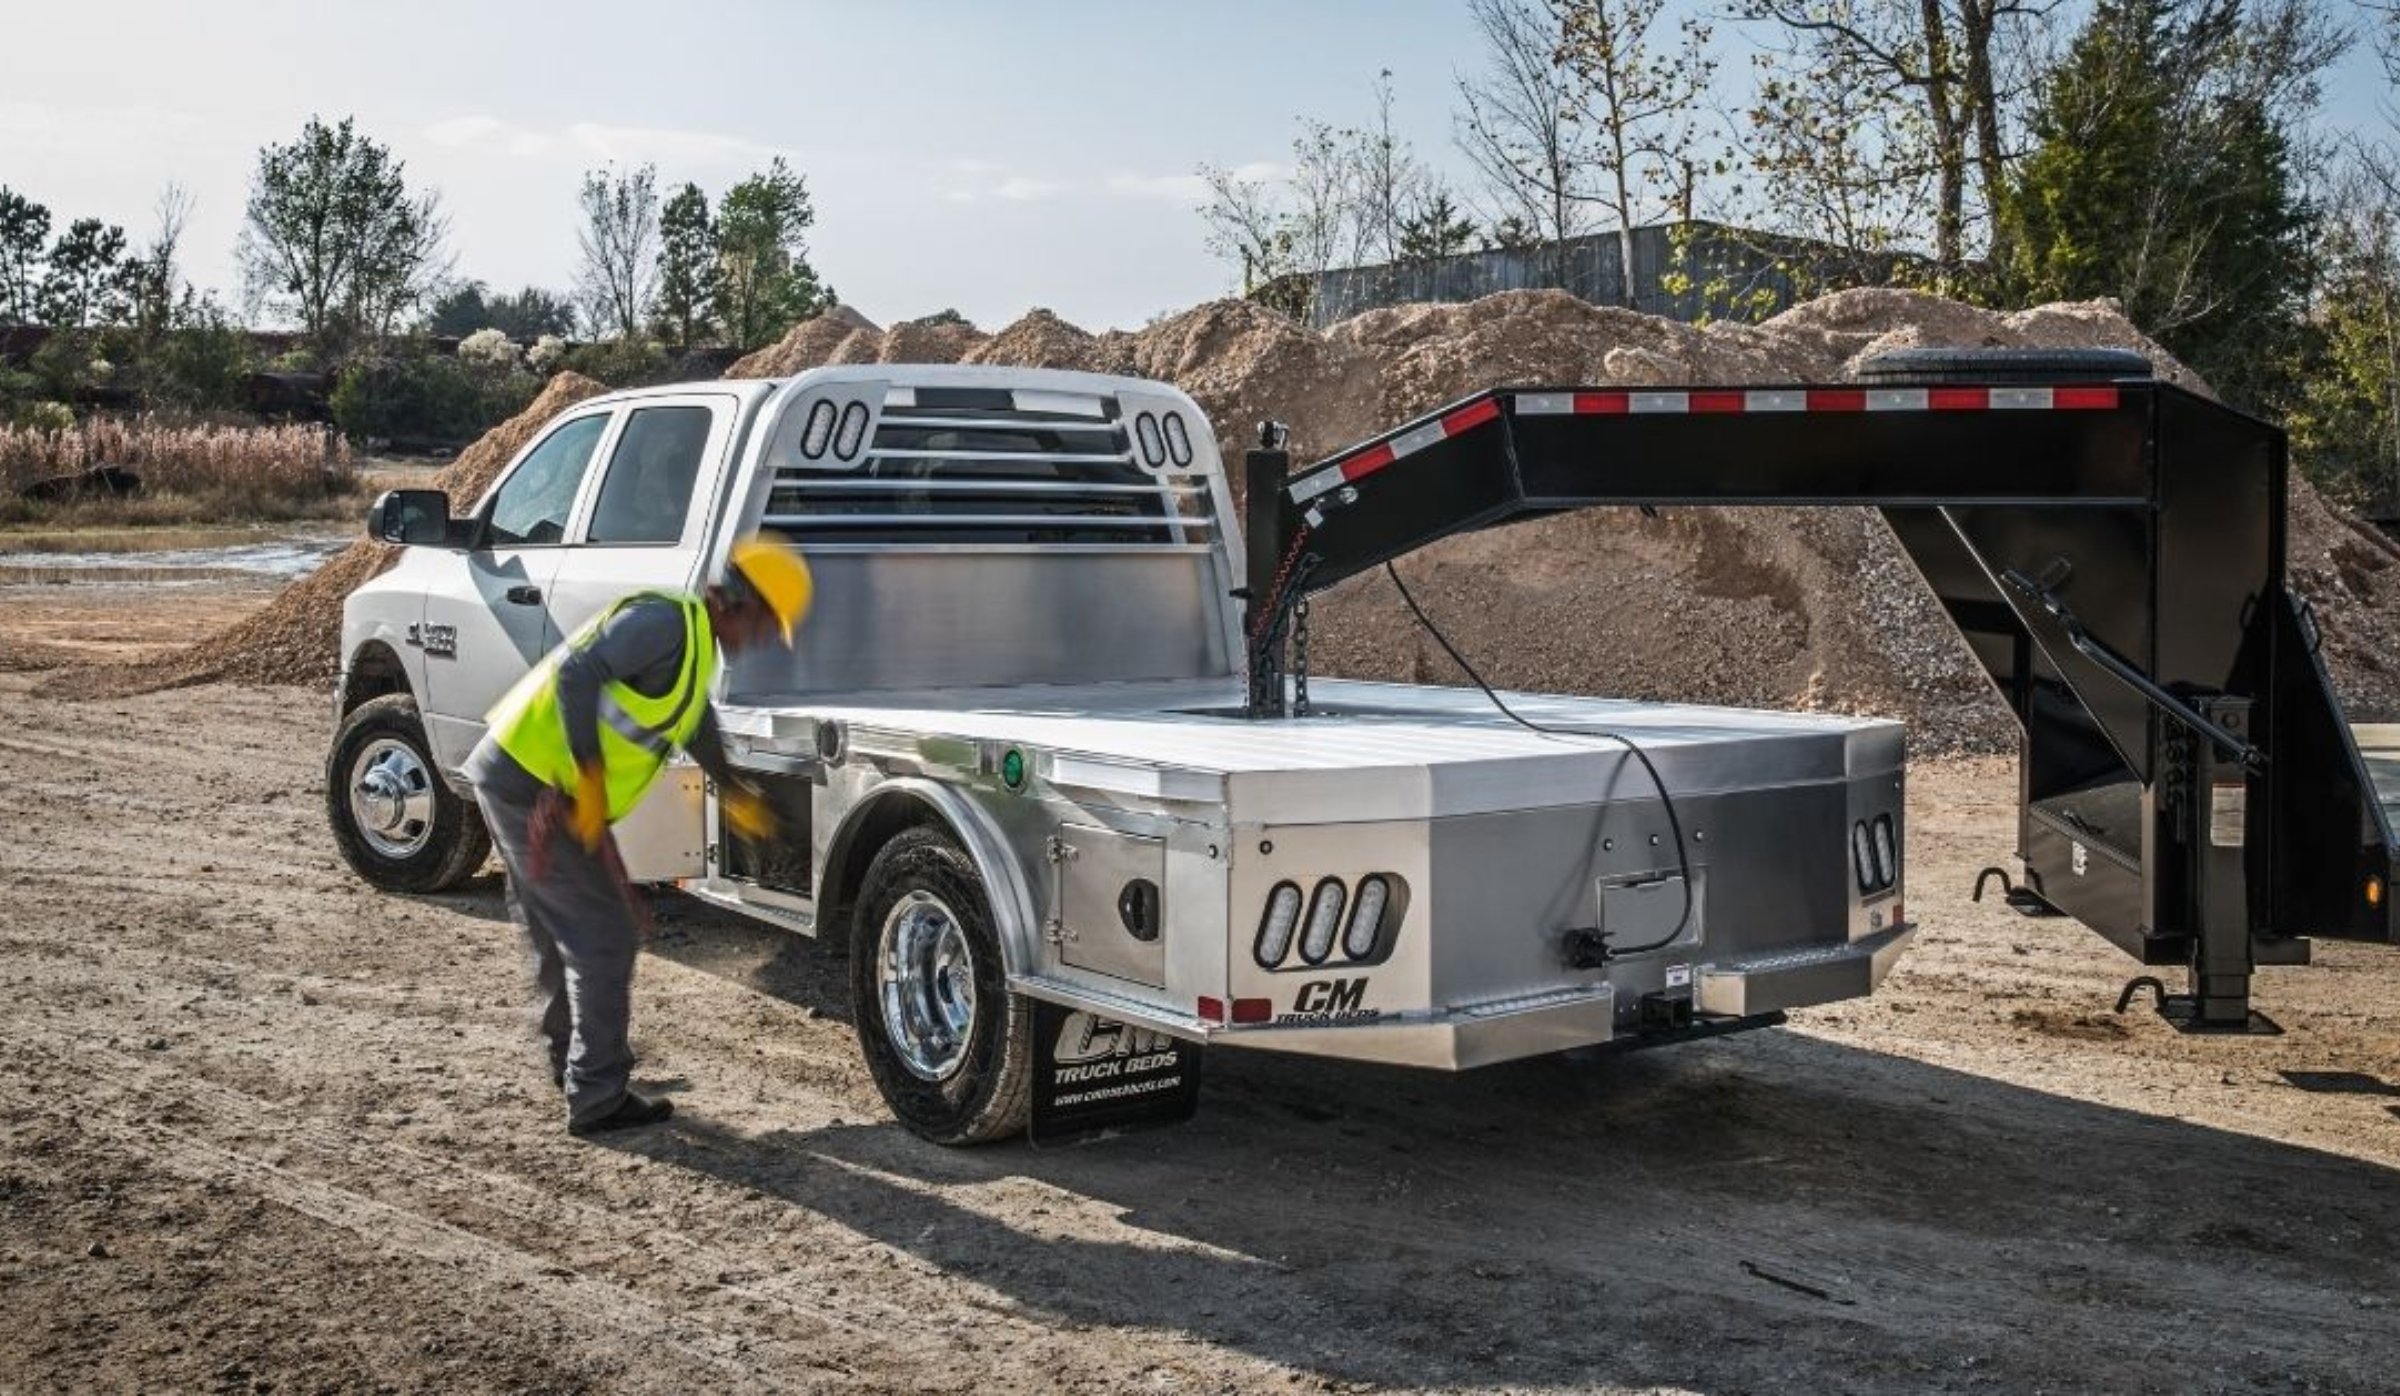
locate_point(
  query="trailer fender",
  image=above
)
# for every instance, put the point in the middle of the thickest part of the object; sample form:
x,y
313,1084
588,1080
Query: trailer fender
x,y
911,800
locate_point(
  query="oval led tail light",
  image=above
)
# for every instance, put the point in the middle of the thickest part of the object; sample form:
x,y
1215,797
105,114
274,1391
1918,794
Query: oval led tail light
x,y
853,431
1179,440
1154,448
819,431
1324,920
1366,917
1862,853
1276,927
1887,857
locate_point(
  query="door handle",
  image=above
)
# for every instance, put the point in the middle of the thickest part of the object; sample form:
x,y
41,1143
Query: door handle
x,y
524,595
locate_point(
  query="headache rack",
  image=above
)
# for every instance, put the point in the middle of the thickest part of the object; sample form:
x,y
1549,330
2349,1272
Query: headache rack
x,y
2110,546
950,466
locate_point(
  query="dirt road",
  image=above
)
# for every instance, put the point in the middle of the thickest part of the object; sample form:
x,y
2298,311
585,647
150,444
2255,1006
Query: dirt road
x,y
261,1127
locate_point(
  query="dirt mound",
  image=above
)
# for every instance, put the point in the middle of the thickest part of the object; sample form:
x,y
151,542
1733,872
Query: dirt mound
x,y
1815,608
1040,339
929,341
296,638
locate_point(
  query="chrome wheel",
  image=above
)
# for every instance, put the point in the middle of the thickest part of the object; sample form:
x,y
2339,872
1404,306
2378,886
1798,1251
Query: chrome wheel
x,y
391,798
925,975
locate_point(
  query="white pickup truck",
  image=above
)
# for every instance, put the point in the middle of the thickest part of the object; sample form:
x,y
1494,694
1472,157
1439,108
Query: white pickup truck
x,y
1023,781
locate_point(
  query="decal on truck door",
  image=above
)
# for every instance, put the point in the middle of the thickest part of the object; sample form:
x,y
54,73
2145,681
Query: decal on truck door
x,y
1093,1076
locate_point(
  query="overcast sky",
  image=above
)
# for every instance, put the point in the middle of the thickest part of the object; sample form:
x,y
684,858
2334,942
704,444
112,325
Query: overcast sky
x,y
988,157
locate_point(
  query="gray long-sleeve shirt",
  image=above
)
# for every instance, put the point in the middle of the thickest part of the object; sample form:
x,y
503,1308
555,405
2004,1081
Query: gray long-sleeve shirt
x,y
640,646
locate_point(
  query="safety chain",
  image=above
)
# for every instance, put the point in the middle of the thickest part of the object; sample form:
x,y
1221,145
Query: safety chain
x,y
1300,658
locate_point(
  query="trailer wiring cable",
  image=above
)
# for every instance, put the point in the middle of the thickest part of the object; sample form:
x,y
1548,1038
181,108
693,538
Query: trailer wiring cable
x,y
1683,862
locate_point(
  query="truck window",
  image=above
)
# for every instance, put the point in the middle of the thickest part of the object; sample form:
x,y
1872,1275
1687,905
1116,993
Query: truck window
x,y
532,507
648,488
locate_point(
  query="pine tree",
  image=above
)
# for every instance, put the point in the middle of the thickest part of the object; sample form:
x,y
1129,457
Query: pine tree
x,y
687,269
2162,176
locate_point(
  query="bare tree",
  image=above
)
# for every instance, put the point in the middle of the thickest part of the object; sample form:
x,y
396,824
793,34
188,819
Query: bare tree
x,y
1389,184
1518,126
618,277
1930,75
1640,101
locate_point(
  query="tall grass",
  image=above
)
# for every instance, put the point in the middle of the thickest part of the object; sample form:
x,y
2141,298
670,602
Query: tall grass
x,y
195,472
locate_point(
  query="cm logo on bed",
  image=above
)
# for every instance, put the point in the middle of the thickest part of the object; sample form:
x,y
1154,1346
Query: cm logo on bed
x,y
1331,996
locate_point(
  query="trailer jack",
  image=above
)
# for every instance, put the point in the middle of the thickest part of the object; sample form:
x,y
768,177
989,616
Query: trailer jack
x,y
2182,1012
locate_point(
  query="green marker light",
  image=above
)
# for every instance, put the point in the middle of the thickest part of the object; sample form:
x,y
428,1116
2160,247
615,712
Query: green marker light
x,y
1012,769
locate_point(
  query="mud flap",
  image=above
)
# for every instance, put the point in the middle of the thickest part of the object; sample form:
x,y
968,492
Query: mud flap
x,y
1093,1076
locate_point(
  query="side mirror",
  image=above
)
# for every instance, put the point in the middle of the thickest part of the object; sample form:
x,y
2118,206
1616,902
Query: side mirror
x,y
413,518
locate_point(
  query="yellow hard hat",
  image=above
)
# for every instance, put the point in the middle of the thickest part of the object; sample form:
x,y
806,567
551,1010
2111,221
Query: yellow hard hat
x,y
775,570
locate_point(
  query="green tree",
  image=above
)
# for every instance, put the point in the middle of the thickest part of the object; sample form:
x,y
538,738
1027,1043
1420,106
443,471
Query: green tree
x,y
2345,423
687,268
24,231
2163,174
765,283
333,238
83,283
618,276
1438,229
525,316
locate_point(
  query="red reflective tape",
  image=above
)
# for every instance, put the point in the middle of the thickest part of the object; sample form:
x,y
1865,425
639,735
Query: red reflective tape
x,y
1837,399
1606,404
1958,399
1253,1010
1212,1010
1367,462
1716,402
1472,415
2084,398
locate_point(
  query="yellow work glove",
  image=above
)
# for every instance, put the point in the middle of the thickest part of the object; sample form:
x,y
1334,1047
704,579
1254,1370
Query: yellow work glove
x,y
589,822
747,811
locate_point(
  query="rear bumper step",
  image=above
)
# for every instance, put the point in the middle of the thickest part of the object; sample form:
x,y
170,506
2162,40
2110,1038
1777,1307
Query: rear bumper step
x,y
1799,979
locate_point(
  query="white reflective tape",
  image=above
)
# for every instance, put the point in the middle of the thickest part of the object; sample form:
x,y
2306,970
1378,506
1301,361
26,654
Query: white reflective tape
x,y
1315,517
1308,487
1774,400
2035,399
1545,404
1659,402
1896,399
1417,440
899,397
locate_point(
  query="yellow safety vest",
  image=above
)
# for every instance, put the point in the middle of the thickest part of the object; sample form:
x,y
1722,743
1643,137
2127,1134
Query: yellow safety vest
x,y
637,732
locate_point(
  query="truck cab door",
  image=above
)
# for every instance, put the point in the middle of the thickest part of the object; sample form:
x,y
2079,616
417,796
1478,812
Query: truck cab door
x,y
648,518
489,620
645,529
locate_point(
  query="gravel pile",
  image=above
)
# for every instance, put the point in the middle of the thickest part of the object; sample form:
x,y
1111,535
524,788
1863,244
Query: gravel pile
x,y
1807,608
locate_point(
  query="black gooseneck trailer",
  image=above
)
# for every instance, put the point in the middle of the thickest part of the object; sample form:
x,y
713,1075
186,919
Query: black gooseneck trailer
x,y
2110,546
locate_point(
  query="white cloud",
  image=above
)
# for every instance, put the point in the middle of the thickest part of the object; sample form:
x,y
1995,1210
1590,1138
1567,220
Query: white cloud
x,y
99,132
589,142
1025,189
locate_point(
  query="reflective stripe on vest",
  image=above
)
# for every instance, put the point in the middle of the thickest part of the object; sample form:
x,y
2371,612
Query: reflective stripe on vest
x,y
638,732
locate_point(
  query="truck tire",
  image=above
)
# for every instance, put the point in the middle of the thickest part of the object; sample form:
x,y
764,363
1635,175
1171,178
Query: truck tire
x,y
951,1049
398,823
2005,366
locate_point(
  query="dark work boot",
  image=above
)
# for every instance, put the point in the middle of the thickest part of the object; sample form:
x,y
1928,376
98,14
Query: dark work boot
x,y
631,1112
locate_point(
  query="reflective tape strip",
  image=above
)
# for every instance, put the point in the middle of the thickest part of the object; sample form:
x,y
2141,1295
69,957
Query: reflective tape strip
x,y
1698,401
623,723
1670,402
1383,453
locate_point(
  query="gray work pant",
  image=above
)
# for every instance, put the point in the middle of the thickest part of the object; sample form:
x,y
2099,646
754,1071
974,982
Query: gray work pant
x,y
582,935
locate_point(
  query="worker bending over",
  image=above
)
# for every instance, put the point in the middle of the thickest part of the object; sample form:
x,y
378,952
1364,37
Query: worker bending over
x,y
570,751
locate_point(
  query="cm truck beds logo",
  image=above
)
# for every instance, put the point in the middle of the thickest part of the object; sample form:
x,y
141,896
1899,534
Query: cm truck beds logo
x,y
1331,1001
